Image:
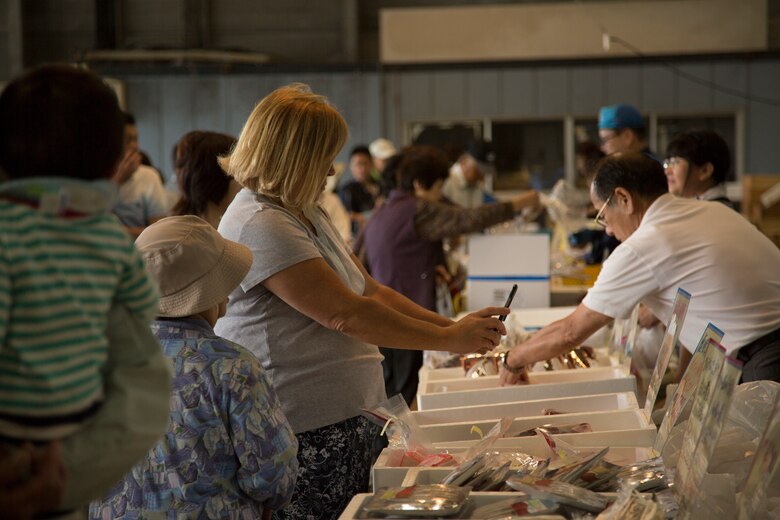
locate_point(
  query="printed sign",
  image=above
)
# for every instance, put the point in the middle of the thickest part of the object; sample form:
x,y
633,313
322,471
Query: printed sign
x,y
713,362
687,386
673,329
713,424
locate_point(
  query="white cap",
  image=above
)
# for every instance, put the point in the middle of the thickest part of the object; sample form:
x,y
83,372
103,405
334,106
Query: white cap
x,y
381,148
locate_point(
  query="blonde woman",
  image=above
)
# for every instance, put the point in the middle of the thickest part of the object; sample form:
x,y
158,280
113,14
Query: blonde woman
x,y
307,308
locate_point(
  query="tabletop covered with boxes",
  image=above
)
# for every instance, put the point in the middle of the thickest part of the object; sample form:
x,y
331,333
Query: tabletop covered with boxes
x,y
579,440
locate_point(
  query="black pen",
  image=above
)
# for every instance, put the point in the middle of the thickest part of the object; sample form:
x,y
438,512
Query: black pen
x,y
509,300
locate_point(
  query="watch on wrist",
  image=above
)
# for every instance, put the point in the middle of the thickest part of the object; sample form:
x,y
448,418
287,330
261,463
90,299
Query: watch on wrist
x,y
504,364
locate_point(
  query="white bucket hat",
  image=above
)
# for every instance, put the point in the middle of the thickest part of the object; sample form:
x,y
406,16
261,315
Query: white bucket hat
x,y
194,266
381,148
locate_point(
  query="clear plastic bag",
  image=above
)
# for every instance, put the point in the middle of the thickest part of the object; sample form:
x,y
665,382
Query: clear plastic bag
x,y
397,421
561,492
434,500
630,505
515,507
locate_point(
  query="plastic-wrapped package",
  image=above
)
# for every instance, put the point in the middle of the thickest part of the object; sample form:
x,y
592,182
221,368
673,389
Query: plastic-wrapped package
x,y
486,443
644,476
397,421
488,471
561,492
631,506
515,507
572,472
667,502
435,500
557,429
600,477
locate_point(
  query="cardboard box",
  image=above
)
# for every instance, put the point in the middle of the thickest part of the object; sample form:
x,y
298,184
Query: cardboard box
x,y
498,261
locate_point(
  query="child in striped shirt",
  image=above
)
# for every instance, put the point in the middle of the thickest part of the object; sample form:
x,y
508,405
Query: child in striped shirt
x,y
65,260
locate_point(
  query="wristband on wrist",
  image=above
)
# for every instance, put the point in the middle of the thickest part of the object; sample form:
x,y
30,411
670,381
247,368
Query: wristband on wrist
x,y
504,364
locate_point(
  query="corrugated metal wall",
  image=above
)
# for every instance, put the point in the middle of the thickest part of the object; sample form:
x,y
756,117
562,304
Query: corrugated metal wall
x,y
375,103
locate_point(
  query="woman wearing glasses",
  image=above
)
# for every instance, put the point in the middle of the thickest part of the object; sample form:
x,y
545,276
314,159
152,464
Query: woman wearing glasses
x,y
696,166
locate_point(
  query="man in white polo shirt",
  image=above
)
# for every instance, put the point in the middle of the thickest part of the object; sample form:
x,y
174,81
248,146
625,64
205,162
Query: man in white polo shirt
x,y
730,269
142,196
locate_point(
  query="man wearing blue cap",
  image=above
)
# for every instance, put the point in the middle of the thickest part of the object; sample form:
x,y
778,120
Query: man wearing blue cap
x,y
622,129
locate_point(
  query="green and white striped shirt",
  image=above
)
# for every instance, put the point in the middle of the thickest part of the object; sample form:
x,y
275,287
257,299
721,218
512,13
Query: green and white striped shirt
x,y
59,276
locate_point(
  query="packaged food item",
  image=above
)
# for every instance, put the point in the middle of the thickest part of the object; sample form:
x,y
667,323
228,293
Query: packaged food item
x,y
648,475
437,460
557,429
434,500
489,470
630,505
466,470
600,477
515,507
397,421
560,492
572,472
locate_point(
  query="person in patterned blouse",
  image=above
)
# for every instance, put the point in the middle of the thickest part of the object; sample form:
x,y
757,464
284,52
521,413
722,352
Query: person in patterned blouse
x,y
229,451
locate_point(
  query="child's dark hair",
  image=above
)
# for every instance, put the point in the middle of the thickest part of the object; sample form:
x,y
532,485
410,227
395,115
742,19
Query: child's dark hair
x,y
200,177
60,121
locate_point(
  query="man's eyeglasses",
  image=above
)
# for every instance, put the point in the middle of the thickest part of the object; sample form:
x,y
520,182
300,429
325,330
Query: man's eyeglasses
x,y
600,220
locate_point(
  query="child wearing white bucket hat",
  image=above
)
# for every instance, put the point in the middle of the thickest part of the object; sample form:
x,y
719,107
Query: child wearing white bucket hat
x,y
226,425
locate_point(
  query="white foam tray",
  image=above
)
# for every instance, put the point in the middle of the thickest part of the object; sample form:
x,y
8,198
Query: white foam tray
x,y
435,381
449,393
566,405
611,428
387,472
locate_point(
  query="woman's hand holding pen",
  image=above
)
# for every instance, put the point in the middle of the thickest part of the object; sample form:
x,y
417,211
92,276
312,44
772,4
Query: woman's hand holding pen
x,y
479,331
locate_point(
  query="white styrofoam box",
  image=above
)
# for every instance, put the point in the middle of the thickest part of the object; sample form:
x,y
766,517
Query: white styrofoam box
x,y
565,405
508,394
621,456
632,425
387,472
427,386
497,261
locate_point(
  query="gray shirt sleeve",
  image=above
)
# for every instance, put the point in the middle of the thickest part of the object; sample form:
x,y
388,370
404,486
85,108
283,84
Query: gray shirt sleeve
x,y
277,241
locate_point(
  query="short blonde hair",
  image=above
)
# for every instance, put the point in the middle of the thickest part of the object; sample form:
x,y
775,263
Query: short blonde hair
x,y
287,145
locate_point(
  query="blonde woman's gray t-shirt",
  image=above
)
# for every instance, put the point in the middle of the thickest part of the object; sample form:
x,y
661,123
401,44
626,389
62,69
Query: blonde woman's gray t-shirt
x,y
321,376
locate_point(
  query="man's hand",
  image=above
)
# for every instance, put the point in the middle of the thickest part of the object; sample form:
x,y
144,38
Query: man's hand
x,y
126,167
513,378
647,319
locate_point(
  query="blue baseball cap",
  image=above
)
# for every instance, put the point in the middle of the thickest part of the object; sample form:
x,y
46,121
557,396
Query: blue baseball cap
x,y
617,117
